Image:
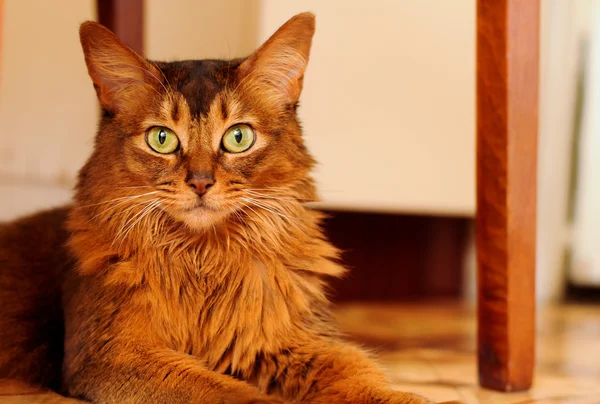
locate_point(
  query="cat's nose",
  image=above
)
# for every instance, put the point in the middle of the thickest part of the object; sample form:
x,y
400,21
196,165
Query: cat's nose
x,y
200,183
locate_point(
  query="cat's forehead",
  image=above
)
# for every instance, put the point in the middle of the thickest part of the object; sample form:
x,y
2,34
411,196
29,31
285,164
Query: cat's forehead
x,y
199,81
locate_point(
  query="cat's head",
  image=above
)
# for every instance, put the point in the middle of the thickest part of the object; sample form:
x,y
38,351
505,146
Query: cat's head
x,y
199,140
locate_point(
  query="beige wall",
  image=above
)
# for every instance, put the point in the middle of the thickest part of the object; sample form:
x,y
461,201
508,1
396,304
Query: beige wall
x,y
200,29
48,111
389,101
585,230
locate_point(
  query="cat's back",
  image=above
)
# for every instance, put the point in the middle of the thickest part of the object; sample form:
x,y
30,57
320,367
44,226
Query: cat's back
x,y
33,260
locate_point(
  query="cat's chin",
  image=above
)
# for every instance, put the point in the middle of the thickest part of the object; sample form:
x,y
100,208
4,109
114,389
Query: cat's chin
x,y
201,219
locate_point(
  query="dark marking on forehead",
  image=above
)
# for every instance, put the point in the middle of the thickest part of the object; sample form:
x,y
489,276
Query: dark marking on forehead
x,y
199,81
175,112
224,111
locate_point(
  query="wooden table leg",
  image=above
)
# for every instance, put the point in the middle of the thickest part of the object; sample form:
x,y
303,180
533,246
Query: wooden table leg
x,y
507,124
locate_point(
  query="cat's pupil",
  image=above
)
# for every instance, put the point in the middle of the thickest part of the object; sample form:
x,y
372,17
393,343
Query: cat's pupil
x,y
162,136
238,136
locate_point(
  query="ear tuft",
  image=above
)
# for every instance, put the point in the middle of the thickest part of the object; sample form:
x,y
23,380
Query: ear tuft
x,y
121,77
277,67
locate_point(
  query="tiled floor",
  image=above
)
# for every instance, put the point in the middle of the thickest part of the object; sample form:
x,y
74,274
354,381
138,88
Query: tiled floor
x,y
430,349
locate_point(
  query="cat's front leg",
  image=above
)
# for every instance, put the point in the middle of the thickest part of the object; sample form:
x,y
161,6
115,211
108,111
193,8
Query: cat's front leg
x,y
116,352
138,373
326,371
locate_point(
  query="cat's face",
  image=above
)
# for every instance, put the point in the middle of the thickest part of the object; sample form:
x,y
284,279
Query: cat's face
x,y
199,140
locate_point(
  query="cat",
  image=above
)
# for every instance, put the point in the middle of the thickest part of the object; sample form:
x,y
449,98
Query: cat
x,y
188,268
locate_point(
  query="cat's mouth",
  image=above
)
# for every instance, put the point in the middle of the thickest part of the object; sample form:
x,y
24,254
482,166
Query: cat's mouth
x,y
201,215
200,206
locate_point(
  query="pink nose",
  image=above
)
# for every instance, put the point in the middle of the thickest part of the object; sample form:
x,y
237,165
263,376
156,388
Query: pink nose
x,y
200,183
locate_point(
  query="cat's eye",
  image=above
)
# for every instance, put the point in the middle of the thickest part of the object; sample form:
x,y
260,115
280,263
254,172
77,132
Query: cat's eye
x,y
238,138
162,140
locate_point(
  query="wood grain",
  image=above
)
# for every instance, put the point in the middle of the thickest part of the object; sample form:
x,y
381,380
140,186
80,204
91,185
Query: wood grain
x,y
507,122
124,18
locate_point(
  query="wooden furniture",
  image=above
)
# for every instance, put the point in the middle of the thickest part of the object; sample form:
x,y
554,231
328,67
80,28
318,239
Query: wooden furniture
x,y
507,123
124,18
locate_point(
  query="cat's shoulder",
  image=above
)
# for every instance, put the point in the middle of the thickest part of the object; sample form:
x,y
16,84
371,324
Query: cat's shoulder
x,y
49,223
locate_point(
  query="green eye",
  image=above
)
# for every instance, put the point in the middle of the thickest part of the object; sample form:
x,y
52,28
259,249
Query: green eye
x,y
238,138
162,140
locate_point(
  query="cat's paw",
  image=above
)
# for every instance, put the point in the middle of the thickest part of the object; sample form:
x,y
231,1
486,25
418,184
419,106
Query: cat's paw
x,y
348,393
398,397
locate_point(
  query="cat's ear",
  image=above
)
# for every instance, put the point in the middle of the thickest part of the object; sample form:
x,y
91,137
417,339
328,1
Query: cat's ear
x,y
121,76
277,67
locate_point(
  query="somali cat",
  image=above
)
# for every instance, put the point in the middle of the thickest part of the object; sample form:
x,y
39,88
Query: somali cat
x,y
188,269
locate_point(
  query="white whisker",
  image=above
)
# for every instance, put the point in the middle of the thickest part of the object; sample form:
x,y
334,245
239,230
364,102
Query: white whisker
x,y
113,207
128,225
117,199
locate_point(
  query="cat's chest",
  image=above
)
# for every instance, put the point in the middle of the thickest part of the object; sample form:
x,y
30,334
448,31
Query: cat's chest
x,y
246,308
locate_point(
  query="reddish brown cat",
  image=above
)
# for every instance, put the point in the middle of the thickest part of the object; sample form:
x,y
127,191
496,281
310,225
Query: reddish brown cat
x,y
188,269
